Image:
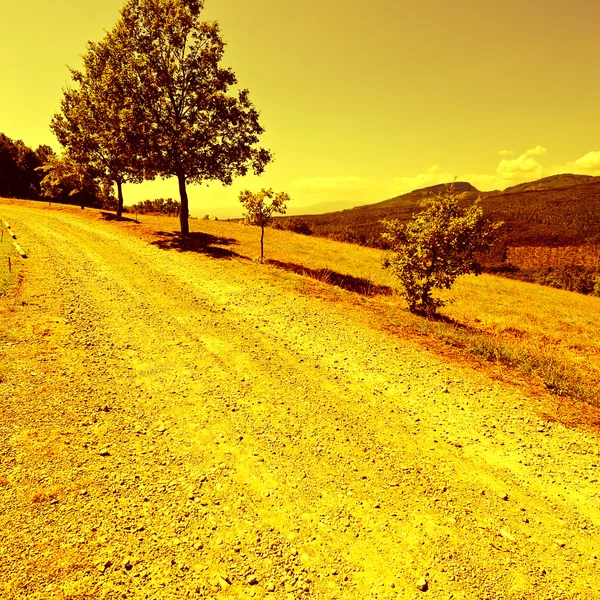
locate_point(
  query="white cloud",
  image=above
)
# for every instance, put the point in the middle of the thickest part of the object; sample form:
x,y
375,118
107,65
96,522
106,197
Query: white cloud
x,y
525,167
522,168
537,151
510,171
588,164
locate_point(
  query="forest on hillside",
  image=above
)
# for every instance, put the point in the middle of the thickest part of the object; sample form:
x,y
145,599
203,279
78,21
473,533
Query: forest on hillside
x,y
556,212
559,216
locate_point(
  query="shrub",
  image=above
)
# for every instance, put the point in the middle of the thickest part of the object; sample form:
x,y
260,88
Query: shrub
x,y
298,225
161,206
440,243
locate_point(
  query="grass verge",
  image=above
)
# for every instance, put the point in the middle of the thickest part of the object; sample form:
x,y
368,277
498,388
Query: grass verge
x,y
10,264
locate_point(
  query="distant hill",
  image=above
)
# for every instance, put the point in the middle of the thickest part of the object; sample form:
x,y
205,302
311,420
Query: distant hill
x,y
547,216
466,190
323,207
560,210
362,224
564,180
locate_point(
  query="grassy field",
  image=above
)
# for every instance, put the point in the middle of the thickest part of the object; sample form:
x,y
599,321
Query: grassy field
x,y
556,211
549,336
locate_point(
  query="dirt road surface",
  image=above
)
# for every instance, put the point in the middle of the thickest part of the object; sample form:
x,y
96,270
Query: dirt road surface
x,y
179,425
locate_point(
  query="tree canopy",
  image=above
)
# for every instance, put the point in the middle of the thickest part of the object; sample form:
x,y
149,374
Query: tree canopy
x,y
68,180
177,96
96,125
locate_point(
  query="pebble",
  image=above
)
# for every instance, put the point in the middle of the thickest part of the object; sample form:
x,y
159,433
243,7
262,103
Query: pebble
x,y
422,585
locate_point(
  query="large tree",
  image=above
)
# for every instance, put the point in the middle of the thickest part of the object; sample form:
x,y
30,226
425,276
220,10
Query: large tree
x,y
97,124
195,128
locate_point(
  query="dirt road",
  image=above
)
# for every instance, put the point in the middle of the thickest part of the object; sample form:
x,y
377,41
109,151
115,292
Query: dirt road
x,y
179,425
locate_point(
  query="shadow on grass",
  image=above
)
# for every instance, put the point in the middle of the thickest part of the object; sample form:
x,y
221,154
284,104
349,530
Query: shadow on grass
x,y
359,285
203,243
112,217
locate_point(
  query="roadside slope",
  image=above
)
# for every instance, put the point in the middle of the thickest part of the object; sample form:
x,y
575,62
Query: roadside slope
x,y
180,425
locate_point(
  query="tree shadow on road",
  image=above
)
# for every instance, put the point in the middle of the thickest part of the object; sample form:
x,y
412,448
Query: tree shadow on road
x,y
112,217
359,285
196,241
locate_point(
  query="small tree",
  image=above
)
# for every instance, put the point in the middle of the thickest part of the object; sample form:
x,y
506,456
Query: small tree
x,y
259,212
435,247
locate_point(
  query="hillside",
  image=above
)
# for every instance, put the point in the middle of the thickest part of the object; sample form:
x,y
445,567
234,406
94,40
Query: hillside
x,y
555,211
563,180
362,224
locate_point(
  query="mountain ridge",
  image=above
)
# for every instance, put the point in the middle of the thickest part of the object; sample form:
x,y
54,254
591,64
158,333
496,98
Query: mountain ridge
x,y
559,210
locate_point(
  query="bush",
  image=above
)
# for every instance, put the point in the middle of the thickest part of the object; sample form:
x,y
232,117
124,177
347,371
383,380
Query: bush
x,y
298,225
435,247
573,278
351,236
160,206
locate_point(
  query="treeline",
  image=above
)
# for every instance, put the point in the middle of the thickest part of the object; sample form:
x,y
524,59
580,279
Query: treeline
x,y
160,206
548,217
34,175
20,176
295,224
573,278
559,216
535,214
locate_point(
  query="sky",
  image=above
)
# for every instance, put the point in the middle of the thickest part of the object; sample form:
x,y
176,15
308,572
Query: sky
x,y
360,101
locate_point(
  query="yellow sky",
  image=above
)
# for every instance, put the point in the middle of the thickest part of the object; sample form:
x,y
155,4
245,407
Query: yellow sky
x,y
361,101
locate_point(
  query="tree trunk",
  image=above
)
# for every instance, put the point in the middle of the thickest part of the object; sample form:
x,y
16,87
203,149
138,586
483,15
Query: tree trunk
x,y
120,196
184,213
262,238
